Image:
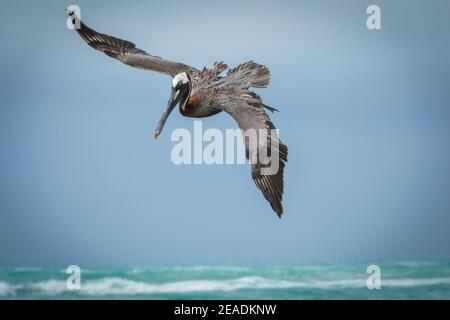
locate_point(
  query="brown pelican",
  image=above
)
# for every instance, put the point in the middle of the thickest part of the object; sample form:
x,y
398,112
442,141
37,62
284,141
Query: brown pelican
x,y
203,93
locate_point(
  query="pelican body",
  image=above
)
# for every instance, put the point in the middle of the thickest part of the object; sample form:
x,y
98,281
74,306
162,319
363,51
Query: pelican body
x,y
206,92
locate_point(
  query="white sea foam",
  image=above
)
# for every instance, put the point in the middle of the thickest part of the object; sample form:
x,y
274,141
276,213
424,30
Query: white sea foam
x,y
50,286
123,286
200,268
120,286
30,269
408,282
8,289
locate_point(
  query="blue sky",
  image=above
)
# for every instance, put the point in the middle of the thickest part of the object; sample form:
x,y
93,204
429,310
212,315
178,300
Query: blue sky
x,y
365,115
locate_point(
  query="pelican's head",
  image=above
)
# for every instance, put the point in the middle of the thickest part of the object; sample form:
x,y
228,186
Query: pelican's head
x,y
181,90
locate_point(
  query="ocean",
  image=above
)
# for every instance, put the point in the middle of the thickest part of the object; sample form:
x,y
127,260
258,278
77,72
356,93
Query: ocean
x,y
398,280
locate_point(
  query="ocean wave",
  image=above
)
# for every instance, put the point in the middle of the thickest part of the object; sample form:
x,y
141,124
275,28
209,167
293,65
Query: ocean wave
x,y
51,286
198,268
408,282
27,269
121,286
8,289
201,268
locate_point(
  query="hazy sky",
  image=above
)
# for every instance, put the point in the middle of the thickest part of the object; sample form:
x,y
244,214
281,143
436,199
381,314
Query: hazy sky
x,y
366,116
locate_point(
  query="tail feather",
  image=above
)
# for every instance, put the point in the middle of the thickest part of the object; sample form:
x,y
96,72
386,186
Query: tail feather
x,y
252,74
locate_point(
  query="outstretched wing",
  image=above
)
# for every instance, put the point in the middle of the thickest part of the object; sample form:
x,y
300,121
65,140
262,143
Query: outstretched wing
x,y
126,51
249,113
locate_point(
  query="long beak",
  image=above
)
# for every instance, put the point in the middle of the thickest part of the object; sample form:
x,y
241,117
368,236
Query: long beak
x,y
170,105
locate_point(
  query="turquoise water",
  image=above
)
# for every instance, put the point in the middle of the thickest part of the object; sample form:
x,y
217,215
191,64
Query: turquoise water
x,y
399,280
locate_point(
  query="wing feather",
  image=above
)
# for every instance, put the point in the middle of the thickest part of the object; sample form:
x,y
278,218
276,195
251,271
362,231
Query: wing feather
x,y
127,52
251,115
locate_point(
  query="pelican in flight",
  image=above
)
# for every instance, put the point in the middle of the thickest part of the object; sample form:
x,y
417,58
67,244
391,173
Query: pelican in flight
x,y
203,93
